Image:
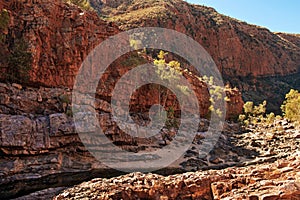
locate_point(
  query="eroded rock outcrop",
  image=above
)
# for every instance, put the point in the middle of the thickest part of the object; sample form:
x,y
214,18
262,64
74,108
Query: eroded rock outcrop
x,y
59,42
40,147
60,36
38,138
38,143
280,180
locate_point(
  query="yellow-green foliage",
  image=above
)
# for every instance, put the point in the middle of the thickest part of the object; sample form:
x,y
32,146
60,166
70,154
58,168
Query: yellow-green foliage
x,y
270,118
4,21
255,114
167,71
291,106
19,62
136,16
172,71
216,93
84,4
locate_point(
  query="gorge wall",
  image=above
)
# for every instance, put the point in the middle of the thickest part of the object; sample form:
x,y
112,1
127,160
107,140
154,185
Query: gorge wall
x,y
238,48
250,57
61,40
59,35
39,146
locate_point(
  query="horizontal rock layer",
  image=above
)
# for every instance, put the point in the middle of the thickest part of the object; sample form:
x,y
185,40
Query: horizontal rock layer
x,y
40,147
280,180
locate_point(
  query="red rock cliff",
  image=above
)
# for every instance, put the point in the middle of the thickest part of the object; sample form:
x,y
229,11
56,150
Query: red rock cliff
x,y
59,35
238,48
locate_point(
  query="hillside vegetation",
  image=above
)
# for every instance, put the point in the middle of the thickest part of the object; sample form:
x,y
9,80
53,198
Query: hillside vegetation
x,y
84,4
251,58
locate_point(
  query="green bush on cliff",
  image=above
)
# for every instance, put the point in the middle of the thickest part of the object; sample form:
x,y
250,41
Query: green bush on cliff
x,y
19,62
15,62
84,4
291,106
4,21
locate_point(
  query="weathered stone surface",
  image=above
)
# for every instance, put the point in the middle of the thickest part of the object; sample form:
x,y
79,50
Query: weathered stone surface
x,y
60,36
37,144
266,160
265,181
33,101
38,137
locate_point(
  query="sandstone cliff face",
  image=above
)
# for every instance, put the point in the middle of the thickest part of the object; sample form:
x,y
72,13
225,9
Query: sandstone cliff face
x,y
60,36
239,49
293,38
38,143
245,54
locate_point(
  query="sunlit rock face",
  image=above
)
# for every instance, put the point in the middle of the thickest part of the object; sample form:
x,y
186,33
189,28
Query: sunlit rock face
x,y
250,57
238,48
40,147
279,180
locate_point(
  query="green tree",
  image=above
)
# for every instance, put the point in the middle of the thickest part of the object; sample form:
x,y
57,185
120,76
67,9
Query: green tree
x,y
248,107
291,106
4,19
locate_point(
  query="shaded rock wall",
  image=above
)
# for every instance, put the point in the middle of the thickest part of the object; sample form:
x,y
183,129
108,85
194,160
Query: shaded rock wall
x,y
59,35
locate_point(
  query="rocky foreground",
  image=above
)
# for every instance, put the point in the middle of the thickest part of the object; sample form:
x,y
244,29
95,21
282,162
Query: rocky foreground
x,y
40,151
272,172
280,180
